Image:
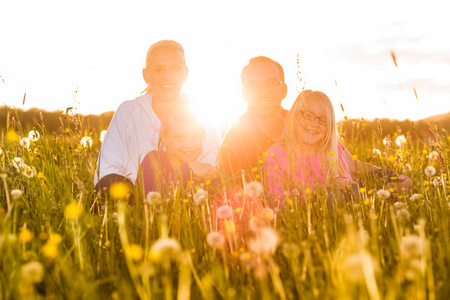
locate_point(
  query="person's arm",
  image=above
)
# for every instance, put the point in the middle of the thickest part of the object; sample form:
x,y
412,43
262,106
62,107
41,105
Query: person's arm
x,y
114,151
359,169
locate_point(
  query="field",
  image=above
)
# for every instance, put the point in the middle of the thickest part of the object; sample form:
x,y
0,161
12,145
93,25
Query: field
x,y
60,240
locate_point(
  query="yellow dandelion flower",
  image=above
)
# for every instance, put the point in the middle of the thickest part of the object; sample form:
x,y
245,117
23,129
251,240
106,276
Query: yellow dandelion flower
x,y
25,236
236,253
260,161
189,182
256,176
362,190
119,190
425,182
333,163
308,191
276,167
290,202
391,190
424,151
208,182
40,175
345,117
50,249
12,136
332,153
228,225
237,210
391,158
107,244
364,124
186,200
265,154
370,192
367,201
135,252
255,169
355,156
72,210
55,238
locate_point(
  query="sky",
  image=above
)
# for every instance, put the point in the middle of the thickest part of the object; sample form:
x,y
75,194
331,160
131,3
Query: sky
x,y
89,54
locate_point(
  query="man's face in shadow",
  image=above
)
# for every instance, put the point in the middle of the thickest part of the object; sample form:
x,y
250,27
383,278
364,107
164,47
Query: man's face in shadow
x,y
263,89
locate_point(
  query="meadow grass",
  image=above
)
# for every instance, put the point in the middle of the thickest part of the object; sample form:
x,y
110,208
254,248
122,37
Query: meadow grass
x,y
60,240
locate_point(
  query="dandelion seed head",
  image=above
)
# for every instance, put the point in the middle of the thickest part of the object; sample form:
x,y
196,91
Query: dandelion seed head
x,y
16,194
434,155
33,135
32,272
253,189
400,140
86,142
412,246
415,197
402,215
25,143
268,214
224,212
399,205
153,198
383,194
200,196
430,171
165,248
266,241
215,239
102,135
376,152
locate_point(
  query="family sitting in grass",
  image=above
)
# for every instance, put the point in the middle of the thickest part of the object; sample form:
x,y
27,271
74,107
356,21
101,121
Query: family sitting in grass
x,y
154,141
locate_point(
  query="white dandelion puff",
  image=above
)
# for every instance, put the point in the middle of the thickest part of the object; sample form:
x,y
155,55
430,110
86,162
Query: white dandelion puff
x,y
415,197
434,155
215,239
165,248
224,212
376,152
25,143
102,135
200,196
266,241
153,198
430,171
383,194
400,140
412,246
403,215
33,135
16,194
86,142
32,272
253,189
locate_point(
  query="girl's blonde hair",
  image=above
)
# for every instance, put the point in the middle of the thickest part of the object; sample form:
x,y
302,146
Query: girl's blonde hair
x,y
329,149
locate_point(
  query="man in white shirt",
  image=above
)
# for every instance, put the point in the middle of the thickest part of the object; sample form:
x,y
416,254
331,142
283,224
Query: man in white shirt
x,y
134,129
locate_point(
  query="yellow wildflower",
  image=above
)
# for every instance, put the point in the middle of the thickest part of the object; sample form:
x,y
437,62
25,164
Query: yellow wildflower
x,y
333,163
25,236
255,169
119,190
367,201
50,249
186,200
208,182
355,157
370,192
12,136
135,252
72,211
332,153
265,154
362,190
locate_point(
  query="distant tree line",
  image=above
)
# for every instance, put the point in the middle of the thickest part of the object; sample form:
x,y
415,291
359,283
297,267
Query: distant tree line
x,y
356,130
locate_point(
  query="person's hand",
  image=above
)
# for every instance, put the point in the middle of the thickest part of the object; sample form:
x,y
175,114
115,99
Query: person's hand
x,y
343,183
202,170
402,183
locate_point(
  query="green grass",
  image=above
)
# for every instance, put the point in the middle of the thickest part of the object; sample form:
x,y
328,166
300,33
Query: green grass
x,y
107,249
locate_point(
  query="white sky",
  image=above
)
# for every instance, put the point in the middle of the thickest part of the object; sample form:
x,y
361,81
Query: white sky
x,y
49,49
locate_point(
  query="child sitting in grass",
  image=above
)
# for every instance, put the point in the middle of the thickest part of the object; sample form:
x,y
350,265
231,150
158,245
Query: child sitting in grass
x,y
181,142
309,153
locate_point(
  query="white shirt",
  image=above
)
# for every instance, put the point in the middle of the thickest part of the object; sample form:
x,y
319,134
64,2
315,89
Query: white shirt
x,y
133,132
